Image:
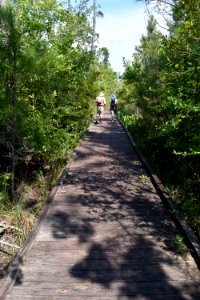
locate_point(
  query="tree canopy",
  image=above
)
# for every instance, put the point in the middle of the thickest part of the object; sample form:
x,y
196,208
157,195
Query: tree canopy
x,y
48,82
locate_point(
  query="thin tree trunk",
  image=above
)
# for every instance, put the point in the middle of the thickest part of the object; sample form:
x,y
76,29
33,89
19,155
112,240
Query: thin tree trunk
x,y
94,25
14,130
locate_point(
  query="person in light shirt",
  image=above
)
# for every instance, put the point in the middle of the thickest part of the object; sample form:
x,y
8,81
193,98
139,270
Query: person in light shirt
x,y
101,104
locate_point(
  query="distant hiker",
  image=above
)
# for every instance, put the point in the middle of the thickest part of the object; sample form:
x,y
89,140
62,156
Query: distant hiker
x,y
101,103
113,107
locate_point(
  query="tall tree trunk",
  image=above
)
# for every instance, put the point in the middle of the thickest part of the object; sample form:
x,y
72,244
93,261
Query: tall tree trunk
x,y
14,129
94,24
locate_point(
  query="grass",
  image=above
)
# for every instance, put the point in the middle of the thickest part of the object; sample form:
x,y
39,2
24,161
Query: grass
x,y
143,177
182,249
22,215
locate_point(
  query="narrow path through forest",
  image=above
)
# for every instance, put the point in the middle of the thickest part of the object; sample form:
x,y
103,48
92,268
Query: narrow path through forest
x,y
107,235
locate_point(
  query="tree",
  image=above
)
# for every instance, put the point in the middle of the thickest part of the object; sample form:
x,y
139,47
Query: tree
x,y
9,46
163,81
144,72
103,54
45,83
95,15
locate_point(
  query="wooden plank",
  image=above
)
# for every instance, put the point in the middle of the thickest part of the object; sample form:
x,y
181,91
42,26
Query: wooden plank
x,y
132,198
117,289
85,227
56,234
108,213
71,244
128,273
77,257
97,297
94,254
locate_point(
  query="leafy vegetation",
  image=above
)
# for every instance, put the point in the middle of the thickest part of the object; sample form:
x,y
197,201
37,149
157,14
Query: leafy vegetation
x,y
161,105
50,75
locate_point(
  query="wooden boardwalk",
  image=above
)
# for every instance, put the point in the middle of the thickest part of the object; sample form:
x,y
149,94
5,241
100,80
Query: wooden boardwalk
x,y
107,235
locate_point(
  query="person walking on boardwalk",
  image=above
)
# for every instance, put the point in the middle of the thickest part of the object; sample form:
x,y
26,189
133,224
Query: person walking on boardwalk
x,y
113,107
101,104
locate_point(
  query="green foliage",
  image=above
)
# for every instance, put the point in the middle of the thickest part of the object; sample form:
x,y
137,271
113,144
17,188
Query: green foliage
x,y
4,183
45,54
161,86
181,246
103,54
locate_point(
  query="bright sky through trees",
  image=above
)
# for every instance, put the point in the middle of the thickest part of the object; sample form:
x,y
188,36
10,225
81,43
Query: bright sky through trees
x,y
121,28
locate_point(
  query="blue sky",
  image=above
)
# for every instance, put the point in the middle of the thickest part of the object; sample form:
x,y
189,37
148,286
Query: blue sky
x,y
111,5
117,5
121,28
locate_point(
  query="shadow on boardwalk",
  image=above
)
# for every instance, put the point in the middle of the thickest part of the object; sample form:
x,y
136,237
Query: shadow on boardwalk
x,y
109,233
129,258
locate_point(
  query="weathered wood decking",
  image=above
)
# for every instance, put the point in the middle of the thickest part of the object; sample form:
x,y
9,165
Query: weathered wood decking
x,y
107,234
